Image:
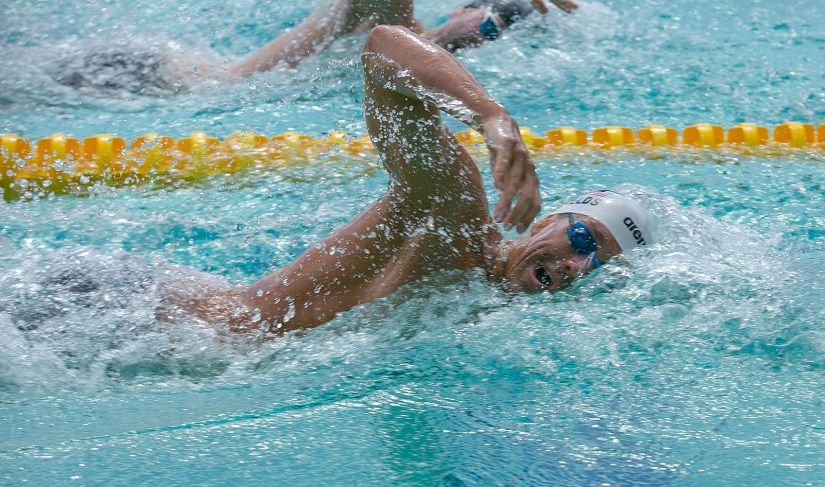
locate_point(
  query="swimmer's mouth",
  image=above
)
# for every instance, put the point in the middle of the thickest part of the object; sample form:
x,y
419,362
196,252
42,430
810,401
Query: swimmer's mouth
x,y
543,276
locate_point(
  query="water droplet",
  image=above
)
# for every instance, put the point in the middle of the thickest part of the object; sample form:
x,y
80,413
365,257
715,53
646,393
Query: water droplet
x,y
290,312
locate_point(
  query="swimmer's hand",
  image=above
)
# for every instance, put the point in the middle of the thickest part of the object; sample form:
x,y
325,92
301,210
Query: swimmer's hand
x,y
568,6
514,174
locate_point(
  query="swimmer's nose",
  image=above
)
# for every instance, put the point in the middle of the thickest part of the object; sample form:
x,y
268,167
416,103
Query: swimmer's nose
x,y
568,267
574,267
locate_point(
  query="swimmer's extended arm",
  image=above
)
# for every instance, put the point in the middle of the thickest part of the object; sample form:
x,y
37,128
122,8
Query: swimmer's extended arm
x,y
436,195
408,80
322,26
293,46
568,6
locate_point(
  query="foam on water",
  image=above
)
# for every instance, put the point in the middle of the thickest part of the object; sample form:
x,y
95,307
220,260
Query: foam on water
x,y
716,284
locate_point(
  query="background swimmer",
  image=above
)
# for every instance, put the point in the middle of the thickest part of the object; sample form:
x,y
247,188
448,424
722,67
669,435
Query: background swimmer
x,y
484,20
158,72
434,216
468,26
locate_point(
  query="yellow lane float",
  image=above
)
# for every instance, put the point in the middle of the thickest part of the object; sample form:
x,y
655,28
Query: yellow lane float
x,y
703,135
658,136
567,136
613,136
748,134
794,134
60,164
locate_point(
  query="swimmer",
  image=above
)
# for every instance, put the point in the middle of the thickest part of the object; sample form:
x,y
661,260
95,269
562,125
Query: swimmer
x,y
157,73
434,216
468,26
483,20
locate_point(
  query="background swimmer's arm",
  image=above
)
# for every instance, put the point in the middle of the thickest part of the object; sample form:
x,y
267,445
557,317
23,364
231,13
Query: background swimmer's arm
x,y
323,26
408,80
461,30
293,46
568,6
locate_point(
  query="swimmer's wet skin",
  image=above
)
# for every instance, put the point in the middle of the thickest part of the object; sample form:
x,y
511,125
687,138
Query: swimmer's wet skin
x,y
434,216
148,73
483,20
468,26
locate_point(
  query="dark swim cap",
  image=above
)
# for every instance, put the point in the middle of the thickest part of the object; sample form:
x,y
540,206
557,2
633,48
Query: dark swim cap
x,y
510,11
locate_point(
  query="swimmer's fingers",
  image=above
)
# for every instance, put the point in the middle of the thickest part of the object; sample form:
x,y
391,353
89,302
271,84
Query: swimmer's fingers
x,y
507,171
519,181
501,139
529,199
510,161
501,179
497,167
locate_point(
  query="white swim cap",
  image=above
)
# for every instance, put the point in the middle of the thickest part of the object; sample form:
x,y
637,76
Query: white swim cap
x,y
630,223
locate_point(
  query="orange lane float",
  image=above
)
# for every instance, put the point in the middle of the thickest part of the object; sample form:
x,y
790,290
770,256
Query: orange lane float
x,y
795,134
60,163
14,151
567,136
748,134
150,155
613,136
658,136
703,135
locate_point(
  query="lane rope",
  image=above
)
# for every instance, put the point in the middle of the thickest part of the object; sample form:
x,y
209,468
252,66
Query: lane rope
x,y
62,164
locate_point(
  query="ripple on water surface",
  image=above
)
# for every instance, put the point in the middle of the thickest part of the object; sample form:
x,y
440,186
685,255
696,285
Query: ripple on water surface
x,y
703,352
700,363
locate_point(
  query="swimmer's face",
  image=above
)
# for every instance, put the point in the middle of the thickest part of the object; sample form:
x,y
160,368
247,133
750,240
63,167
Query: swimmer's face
x,y
544,260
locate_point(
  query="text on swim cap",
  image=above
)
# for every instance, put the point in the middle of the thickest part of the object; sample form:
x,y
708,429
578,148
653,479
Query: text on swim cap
x,y
637,234
587,200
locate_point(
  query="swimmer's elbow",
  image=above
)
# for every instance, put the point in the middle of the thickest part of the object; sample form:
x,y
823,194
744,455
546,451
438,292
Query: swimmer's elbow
x,y
382,36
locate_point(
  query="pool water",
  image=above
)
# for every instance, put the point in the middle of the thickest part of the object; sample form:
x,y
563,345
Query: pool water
x,y
702,362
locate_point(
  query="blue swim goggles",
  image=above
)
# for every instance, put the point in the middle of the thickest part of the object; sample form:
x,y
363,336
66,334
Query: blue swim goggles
x,y
582,240
489,28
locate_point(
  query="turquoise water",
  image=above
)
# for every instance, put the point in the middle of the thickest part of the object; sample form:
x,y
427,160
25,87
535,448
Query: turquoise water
x,y
703,363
